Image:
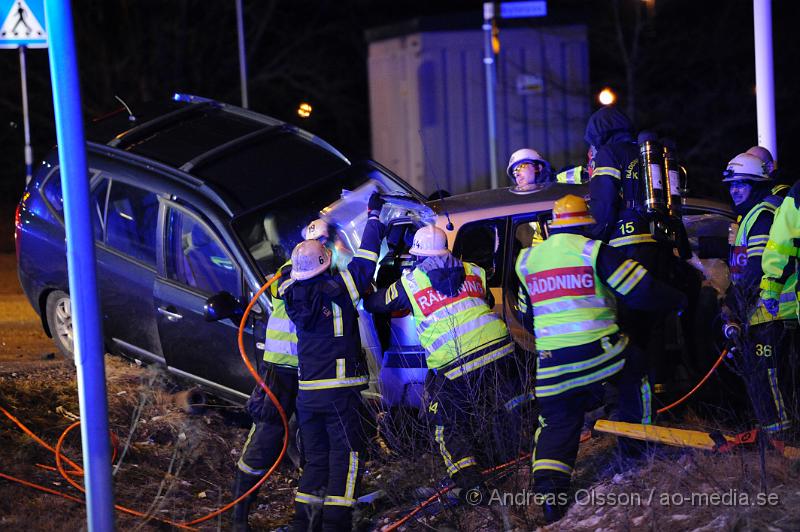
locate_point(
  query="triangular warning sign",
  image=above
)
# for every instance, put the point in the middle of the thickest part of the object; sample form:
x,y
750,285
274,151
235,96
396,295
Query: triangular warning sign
x,y
21,23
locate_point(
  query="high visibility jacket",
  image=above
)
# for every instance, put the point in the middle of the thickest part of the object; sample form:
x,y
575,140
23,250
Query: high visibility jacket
x,y
780,190
280,343
571,305
750,244
779,261
456,327
576,175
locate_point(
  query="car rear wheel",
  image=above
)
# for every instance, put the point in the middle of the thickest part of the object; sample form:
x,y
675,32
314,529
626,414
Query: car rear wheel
x,y
59,320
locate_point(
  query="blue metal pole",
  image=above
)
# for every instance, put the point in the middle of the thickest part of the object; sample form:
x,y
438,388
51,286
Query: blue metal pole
x,y
86,322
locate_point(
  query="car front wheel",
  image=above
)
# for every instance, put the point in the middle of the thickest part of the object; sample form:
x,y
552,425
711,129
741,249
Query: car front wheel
x,y
59,320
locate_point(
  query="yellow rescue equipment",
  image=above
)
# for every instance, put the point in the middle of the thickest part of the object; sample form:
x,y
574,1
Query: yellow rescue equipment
x,y
695,439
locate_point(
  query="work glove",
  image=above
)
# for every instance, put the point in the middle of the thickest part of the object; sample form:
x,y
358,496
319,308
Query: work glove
x,y
771,305
375,204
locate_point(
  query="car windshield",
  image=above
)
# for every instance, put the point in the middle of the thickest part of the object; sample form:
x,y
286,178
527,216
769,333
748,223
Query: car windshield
x,y
271,231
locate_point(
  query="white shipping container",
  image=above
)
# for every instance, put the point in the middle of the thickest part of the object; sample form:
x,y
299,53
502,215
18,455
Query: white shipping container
x,y
428,102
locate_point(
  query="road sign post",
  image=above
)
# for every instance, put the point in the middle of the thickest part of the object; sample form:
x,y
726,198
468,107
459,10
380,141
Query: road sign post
x,y
22,28
491,47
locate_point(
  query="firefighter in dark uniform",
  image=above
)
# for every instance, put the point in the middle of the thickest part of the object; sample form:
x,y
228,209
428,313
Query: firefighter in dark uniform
x,y
572,283
467,348
750,188
617,190
332,372
279,370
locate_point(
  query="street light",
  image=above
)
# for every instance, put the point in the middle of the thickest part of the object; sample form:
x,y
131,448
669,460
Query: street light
x,y
607,96
304,110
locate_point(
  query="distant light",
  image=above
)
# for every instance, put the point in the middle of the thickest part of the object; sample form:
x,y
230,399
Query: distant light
x,y
304,110
607,96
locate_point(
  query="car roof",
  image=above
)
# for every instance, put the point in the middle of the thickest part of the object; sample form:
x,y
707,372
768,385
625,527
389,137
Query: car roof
x,y
504,201
461,209
245,157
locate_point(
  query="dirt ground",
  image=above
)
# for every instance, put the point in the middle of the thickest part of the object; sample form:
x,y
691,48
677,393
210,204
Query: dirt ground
x,y
178,467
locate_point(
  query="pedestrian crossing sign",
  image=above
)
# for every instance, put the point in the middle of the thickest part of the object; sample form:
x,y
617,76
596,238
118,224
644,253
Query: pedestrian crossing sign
x,y
23,24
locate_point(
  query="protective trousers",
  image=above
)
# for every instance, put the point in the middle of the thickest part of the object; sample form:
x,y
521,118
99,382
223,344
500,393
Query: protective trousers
x,y
265,440
772,385
475,417
561,418
332,443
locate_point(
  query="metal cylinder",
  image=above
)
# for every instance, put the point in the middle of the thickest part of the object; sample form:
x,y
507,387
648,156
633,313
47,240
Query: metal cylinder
x,y
651,166
672,183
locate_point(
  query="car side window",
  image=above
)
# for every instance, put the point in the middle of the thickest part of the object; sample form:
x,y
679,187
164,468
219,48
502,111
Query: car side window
x,y
130,222
483,243
51,189
98,199
197,259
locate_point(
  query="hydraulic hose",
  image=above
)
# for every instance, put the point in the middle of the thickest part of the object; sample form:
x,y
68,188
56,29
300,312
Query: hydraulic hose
x,y
421,506
697,386
272,398
77,470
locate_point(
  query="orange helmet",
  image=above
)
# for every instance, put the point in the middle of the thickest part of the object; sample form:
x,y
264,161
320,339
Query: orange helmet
x,y
571,211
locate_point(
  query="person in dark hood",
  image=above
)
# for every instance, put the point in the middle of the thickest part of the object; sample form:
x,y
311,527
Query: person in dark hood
x,y
749,180
617,202
614,187
466,347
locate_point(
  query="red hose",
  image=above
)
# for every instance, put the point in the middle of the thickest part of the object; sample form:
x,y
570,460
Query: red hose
x,y
77,470
697,386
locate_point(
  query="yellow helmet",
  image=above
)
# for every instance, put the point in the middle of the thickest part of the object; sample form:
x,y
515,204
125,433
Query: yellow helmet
x,y
571,211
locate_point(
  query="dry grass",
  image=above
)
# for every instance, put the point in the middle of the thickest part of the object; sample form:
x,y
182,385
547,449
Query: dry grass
x,y
180,467
170,464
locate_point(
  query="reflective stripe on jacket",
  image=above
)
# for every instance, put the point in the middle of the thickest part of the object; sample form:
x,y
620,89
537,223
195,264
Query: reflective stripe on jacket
x,y
280,343
779,261
454,327
571,306
748,245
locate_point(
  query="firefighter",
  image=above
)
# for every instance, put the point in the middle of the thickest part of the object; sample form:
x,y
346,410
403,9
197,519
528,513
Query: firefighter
x,y
467,349
279,369
780,259
572,282
750,185
615,187
617,191
527,168
331,374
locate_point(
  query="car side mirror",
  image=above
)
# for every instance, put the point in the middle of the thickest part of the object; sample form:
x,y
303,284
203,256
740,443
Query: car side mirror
x,y
221,306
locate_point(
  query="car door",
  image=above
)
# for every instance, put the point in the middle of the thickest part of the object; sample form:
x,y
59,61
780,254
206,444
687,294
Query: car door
x,y
197,265
483,243
525,230
125,218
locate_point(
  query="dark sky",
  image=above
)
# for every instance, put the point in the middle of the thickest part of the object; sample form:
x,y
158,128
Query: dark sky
x,y
694,68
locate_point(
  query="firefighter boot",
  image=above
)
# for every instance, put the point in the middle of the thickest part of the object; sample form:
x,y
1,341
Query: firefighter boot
x,y
554,506
241,485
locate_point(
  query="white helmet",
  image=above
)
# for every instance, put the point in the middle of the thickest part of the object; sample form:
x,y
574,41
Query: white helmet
x,y
765,155
429,241
745,167
309,259
316,230
525,155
